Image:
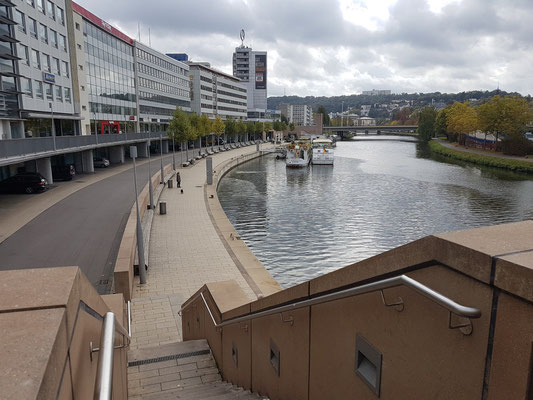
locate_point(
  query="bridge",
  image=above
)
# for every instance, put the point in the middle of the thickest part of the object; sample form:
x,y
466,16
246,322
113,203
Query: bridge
x,y
376,129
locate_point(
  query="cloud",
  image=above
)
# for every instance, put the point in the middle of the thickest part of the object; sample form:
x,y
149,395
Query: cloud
x,y
346,46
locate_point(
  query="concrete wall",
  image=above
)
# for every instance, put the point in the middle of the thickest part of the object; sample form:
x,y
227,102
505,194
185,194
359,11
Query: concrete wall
x,y
489,268
48,317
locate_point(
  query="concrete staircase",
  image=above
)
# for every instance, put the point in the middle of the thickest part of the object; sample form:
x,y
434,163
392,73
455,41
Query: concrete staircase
x,y
183,370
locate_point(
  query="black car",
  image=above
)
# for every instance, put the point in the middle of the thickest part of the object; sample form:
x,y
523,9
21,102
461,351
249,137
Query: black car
x,y
63,172
25,182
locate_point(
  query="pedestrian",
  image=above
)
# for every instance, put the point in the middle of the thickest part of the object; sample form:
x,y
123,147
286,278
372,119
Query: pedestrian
x,y
178,179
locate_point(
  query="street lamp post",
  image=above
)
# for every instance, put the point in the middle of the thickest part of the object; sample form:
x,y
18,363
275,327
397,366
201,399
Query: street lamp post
x,y
342,115
173,154
161,152
151,205
140,240
53,128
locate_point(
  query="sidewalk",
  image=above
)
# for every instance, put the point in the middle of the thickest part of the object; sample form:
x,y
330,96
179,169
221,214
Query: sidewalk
x,y
185,253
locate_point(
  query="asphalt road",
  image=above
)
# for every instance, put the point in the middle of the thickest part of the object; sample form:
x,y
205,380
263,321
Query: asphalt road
x,y
84,229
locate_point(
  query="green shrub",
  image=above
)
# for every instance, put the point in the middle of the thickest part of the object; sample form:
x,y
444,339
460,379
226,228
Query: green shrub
x,y
489,161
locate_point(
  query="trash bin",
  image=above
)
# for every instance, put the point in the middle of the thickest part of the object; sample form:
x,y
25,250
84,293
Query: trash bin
x,y
169,183
162,207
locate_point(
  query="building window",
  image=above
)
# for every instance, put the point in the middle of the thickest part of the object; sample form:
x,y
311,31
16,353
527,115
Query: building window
x,y
35,59
26,86
77,26
67,94
59,93
60,15
32,26
48,89
46,63
53,38
24,54
56,69
50,10
38,89
79,46
62,42
40,5
43,33
20,20
64,68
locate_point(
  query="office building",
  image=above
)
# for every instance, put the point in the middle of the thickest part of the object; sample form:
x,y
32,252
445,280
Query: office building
x,y
183,57
108,63
215,93
299,114
162,85
251,67
44,68
10,123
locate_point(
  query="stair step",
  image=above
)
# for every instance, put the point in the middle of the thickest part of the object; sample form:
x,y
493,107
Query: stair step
x,y
172,349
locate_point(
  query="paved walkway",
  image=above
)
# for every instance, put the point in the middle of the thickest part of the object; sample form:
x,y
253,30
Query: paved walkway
x,y
185,253
457,147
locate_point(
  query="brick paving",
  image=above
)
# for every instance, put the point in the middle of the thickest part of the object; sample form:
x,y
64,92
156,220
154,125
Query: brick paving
x,y
185,253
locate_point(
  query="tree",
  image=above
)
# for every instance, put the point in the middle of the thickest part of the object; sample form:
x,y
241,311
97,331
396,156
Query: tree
x,y
218,128
240,128
179,128
284,118
277,126
325,116
426,123
259,129
268,126
230,128
197,128
461,119
250,129
504,115
292,126
441,123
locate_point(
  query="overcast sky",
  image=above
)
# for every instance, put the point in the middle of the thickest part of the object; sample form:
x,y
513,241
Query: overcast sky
x,y
329,48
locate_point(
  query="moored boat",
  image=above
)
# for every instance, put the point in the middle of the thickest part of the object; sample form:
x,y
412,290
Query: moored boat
x,y
323,152
299,154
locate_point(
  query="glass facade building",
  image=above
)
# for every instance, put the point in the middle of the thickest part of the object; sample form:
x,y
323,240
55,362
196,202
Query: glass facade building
x,y
110,76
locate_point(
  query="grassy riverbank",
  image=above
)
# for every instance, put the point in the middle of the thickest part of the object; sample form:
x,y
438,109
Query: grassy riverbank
x,y
489,161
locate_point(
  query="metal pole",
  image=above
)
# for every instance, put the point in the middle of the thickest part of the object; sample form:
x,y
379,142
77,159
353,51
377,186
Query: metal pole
x,y
53,128
140,240
161,151
342,115
173,154
103,387
150,189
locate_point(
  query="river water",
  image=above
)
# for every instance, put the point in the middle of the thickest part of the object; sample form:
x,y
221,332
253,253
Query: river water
x,y
382,192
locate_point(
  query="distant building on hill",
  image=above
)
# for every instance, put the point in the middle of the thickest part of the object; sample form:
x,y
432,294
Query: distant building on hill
x,y
375,92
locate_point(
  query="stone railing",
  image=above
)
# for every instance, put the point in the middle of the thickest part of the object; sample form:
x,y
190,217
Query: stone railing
x,y
394,343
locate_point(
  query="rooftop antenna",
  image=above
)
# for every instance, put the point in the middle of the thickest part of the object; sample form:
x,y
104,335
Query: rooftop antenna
x,y
149,38
139,29
242,35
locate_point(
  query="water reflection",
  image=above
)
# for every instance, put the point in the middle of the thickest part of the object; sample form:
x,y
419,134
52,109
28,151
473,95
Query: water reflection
x,y
379,195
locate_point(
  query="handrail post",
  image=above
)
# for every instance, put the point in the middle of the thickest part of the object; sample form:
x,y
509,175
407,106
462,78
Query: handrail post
x,y
104,374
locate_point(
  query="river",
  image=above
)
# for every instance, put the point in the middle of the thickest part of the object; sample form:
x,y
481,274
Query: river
x,y
383,192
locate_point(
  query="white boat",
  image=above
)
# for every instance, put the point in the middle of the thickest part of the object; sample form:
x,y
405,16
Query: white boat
x,y
323,152
299,154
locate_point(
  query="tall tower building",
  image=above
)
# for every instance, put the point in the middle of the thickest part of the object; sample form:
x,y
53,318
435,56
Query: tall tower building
x,y
251,67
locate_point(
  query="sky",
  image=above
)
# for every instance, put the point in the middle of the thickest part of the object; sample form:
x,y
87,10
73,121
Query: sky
x,y
342,47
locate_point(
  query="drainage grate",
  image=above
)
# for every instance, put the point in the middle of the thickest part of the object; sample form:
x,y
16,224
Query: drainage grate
x,y
167,358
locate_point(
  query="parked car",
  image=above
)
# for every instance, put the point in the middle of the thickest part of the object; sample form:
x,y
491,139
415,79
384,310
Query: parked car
x,y
25,182
100,162
529,136
63,172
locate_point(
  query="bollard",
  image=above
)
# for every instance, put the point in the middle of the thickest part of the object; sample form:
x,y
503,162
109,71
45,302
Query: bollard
x,y
169,182
162,207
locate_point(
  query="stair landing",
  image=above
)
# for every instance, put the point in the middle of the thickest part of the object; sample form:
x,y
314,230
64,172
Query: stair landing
x,y
182,370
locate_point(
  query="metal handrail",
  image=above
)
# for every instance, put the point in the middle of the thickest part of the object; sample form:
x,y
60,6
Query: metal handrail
x,y
104,373
402,280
